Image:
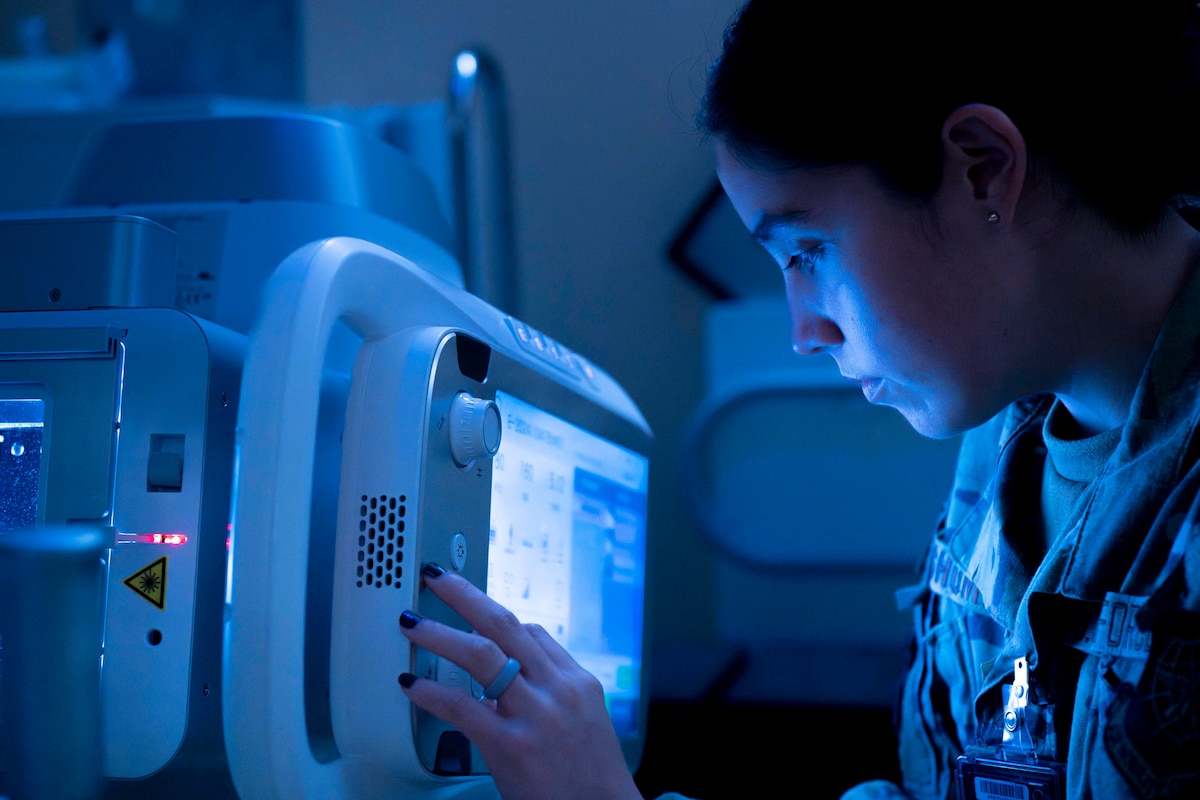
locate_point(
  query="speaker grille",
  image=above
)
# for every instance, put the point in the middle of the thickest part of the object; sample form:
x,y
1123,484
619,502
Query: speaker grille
x,y
380,541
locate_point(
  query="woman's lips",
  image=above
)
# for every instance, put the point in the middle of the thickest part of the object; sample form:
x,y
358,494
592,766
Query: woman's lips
x,y
871,387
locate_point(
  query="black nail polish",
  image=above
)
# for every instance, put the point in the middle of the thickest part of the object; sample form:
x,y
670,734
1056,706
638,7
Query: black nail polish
x,y
432,570
409,620
407,679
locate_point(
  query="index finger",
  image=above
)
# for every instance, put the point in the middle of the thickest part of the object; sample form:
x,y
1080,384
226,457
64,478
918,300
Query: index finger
x,y
486,616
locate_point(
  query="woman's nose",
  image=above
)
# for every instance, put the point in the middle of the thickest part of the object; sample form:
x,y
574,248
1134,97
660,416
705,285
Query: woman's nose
x,y
813,333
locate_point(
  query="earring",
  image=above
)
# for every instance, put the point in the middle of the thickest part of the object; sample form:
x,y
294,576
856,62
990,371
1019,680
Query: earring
x,y
993,217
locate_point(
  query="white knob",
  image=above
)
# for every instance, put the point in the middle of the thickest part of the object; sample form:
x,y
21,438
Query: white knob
x,y
474,428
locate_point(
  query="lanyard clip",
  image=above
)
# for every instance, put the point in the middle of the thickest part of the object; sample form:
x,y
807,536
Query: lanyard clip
x,y
1016,738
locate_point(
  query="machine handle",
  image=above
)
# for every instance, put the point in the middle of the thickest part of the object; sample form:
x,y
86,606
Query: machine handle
x,y
362,286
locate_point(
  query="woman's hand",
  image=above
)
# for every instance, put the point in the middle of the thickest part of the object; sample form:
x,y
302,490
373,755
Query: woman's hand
x,y
547,734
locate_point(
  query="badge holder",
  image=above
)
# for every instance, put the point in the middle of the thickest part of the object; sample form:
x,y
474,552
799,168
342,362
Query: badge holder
x,y
1011,769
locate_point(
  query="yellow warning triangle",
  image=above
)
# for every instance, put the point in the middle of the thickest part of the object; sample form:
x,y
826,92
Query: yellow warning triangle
x,y
151,582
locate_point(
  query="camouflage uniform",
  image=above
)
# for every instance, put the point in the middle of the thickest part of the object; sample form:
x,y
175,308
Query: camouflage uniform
x,y
1109,618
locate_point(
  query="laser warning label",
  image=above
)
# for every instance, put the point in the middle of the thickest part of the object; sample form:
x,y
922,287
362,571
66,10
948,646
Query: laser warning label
x,y
151,583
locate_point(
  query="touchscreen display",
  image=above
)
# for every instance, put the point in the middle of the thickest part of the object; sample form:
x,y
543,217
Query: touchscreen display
x,y
567,545
21,424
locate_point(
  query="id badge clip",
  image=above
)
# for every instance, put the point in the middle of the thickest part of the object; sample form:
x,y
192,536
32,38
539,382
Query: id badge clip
x,y
1011,770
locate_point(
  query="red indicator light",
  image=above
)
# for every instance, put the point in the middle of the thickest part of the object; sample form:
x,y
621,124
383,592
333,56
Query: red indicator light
x,y
152,538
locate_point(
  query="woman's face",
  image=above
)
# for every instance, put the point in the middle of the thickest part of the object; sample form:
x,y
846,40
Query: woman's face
x,y
914,303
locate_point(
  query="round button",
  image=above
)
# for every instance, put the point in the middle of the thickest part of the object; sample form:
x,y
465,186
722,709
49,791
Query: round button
x,y
458,551
474,428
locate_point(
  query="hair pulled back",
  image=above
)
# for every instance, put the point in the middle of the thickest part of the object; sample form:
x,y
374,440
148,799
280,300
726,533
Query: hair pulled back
x,y
1106,95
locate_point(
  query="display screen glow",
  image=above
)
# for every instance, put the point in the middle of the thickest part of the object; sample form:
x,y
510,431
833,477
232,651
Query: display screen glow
x,y
21,425
567,545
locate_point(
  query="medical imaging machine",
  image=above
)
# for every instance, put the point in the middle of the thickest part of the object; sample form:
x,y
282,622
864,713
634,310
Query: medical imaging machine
x,y
242,352
471,440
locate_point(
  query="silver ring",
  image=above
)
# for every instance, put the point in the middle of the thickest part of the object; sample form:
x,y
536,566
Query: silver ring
x,y
496,688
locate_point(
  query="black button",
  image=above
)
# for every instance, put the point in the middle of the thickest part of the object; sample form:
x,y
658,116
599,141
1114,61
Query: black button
x,y
453,754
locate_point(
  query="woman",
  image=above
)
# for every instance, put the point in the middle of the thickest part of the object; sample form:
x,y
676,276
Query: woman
x,y
977,212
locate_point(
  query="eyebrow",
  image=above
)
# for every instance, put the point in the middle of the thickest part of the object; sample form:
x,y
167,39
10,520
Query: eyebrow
x,y
769,225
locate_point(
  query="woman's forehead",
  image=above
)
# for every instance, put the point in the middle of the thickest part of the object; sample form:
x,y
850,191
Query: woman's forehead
x,y
771,201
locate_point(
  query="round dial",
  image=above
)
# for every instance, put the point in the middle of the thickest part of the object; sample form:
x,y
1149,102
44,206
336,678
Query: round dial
x,y
474,428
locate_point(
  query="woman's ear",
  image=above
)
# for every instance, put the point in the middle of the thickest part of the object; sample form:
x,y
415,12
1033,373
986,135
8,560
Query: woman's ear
x,y
984,156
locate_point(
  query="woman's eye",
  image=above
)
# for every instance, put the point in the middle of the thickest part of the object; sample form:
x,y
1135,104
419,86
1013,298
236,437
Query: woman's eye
x,y
806,259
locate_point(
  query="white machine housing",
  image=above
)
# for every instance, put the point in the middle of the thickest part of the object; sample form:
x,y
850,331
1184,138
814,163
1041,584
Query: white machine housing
x,y
126,324
186,215
240,193
424,341
138,409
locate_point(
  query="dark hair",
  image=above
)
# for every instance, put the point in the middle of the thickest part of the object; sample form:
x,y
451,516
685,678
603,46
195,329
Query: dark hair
x,y
1104,94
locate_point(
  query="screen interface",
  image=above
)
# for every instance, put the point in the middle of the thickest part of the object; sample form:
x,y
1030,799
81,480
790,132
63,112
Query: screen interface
x,y
567,545
21,425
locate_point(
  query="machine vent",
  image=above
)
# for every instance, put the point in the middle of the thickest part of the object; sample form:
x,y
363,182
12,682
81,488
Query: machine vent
x,y
380,541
